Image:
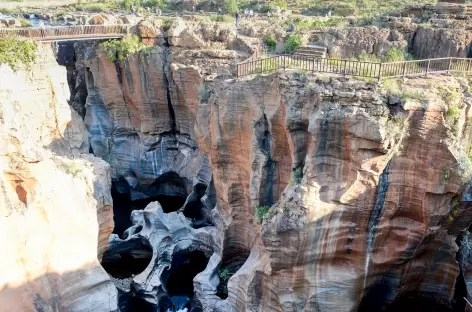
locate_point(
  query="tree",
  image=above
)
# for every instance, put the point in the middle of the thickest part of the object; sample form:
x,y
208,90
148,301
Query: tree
x,y
231,6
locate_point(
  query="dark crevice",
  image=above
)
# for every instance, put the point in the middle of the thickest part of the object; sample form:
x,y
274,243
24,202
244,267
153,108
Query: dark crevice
x,y
232,261
170,107
129,262
178,281
196,210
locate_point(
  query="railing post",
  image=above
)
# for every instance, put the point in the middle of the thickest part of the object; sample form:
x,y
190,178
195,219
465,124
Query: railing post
x,y
344,70
427,68
404,70
468,66
380,71
284,61
449,66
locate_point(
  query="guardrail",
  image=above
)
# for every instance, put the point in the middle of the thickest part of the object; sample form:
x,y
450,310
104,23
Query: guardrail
x,y
375,70
65,31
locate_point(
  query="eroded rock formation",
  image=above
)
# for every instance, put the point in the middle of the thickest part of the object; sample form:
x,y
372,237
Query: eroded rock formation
x,y
55,203
281,192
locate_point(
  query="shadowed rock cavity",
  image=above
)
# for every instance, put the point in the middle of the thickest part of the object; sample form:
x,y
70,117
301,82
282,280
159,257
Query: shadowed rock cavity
x,y
232,261
178,281
129,260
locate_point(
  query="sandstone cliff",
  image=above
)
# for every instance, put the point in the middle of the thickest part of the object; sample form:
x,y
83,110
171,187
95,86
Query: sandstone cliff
x,y
55,203
365,186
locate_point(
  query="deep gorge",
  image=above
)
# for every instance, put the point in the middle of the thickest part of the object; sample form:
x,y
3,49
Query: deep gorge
x,y
366,191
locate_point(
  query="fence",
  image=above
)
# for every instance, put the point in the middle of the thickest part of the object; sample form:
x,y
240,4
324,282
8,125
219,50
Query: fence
x,y
65,31
373,70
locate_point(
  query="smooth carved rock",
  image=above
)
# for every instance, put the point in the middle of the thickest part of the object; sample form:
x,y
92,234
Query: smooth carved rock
x,y
55,202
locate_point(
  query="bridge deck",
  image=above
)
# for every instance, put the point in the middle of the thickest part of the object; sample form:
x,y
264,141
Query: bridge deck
x,y
62,33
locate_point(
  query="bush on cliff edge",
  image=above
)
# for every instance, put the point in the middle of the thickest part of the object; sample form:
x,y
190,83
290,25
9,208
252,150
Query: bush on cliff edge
x,y
121,49
14,52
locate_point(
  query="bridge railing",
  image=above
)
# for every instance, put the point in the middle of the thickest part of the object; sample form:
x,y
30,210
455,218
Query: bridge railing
x,y
64,31
375,70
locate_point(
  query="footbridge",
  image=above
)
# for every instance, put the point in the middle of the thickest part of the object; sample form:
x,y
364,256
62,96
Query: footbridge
x,y
67,33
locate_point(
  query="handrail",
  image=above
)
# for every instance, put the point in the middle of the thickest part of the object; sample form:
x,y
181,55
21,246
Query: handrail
x,y
64,31
375,70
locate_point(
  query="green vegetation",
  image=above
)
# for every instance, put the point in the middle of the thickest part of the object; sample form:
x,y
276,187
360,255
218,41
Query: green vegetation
x,y
445,174
450,95
292,43
204,93
261,211
231,6
222,18
25,23
122,49
451,117
14,52
271,42
167,23
396,55
94,7
332,22
297,176
225,273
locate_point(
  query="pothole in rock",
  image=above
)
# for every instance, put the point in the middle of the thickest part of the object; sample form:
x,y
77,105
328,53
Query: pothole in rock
x,y
231,263
195,209
128,261
178,281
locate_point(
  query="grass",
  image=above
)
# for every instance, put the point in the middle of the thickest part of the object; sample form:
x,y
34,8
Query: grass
x,y
121,49
25,23
94,7
445,175
204,93
167,23
451,116
297,176
222,18
14,52
261,211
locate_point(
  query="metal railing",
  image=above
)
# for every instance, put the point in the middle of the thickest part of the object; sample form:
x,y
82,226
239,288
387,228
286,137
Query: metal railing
x,y
65,31
375,70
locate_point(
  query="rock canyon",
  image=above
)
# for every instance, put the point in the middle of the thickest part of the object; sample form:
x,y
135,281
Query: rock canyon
x,y
160,182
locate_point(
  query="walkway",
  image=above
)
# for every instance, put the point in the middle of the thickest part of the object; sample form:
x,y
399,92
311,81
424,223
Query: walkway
x,y
65,33
373,70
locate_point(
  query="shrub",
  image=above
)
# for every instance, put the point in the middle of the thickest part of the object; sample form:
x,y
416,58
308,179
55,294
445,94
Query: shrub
x,y
222,18
445,174
204,92
231,6
127,4
14,52
167,23
395,55
271,42
297,176
155,3
261,211
292,43
122,49
452,118
332,22
25,23
280,3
